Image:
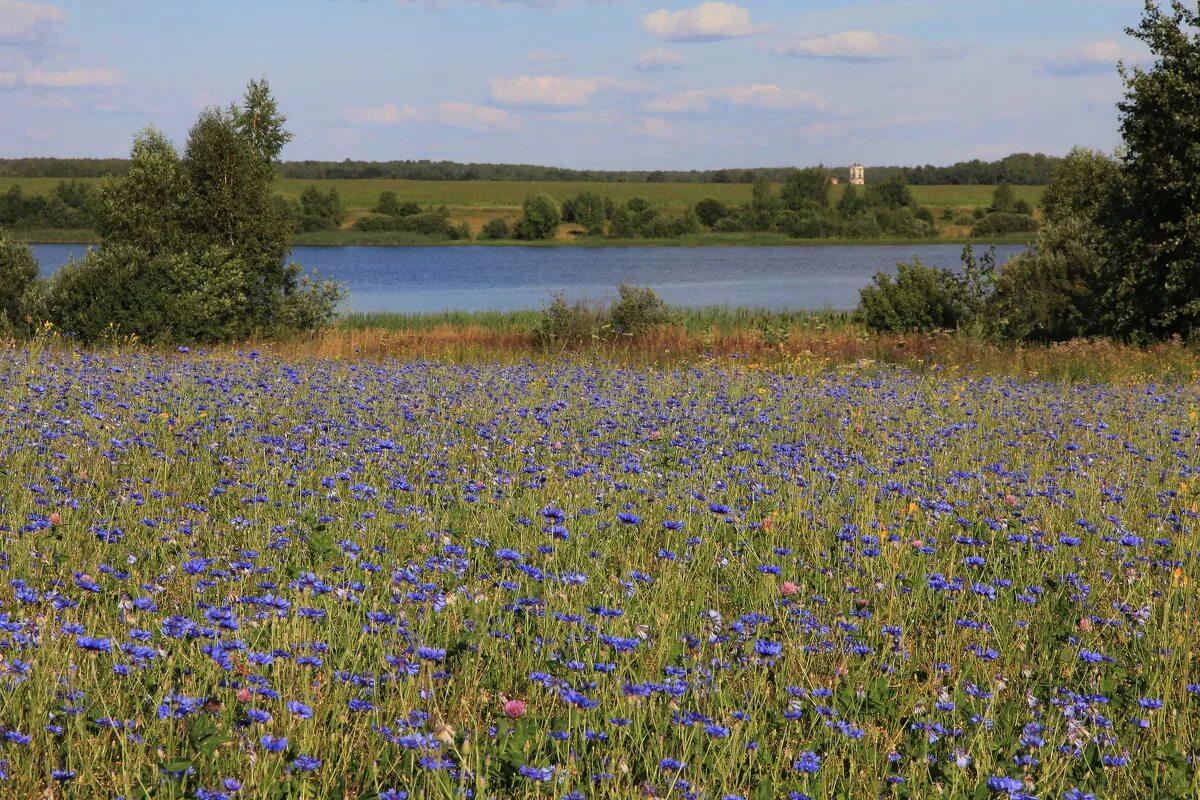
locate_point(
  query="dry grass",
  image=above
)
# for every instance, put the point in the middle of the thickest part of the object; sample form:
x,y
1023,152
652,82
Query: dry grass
x,y
804,349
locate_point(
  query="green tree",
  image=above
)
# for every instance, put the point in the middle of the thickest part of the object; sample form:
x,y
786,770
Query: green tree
x,y
710,210
586,209
1082,186
1003,200
851,204
918,299
891,193
193,248
1155,225
540,218
806,189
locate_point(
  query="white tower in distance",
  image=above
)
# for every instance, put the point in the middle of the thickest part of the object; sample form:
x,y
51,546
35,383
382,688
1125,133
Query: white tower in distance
x,y
858,175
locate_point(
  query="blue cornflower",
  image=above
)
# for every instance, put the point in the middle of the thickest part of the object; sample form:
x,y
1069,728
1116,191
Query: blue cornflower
x,y
305,763
536,773
94,644
274,744
629,519
808,763
299,709
767,649
671,765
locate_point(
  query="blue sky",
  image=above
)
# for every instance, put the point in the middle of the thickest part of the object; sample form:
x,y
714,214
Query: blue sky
x,y
608,84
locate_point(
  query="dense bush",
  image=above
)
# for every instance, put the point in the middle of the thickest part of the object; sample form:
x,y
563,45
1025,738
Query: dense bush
x,y
495,228
563,323
589,210
540,218
1050,293
434,224
320,210
18,285
710,211
637,310
389,205
918,299
999,224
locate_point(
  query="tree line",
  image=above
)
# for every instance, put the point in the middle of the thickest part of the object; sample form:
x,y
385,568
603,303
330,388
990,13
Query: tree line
x,y
1018,169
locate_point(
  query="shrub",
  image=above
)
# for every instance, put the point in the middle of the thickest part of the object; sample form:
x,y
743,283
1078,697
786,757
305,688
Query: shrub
x,y
18,281
999,224
586,209
563,323
540,220
637,310
390,205
903,221
495,228
320,210
918,299
1052,291
729,225
710,211
432,224
862,225
965,219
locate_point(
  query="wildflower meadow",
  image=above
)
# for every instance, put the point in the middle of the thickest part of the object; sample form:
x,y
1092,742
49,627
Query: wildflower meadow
x,y
234,576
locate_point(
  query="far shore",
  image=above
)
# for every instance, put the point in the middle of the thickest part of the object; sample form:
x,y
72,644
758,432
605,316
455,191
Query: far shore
x,y
393,239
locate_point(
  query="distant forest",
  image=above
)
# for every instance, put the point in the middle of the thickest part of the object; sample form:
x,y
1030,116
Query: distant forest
x,y
1019,169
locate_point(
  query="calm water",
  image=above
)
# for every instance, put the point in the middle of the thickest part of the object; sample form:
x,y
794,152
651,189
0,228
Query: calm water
x,y
414,279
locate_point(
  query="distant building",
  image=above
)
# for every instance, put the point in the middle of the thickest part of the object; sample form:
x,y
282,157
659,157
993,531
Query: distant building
x,y
835,181
858,175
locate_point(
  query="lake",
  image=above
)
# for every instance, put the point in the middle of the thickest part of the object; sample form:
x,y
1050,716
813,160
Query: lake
x,y
420,279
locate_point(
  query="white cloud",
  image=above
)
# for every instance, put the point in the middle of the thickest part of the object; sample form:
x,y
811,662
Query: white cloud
x,y
706,22
28,23
382,115
654,127
8,78
55,102
478,118
557,91
1089,59
847,46
657,59
85,78
451,113
760,96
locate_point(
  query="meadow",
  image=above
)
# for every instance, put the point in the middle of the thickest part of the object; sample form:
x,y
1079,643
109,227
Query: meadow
x,y
239,574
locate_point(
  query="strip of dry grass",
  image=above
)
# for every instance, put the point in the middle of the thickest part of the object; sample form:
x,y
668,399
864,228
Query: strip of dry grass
x,y
803,349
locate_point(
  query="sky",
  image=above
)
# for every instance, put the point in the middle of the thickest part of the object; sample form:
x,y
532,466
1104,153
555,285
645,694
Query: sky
x,y
588,84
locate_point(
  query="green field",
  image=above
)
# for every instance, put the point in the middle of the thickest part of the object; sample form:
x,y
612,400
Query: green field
x,y
358,195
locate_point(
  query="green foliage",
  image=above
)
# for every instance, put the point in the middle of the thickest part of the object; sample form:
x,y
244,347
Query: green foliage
x,y
320,209
587,209
1052,291
434,224
637,310
193,247
892,193
563,323
1000,223
918,299
1082,187
1003,200
806,189
903,221
1155,214
540,218
495,229
389,205
18,285
710,210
